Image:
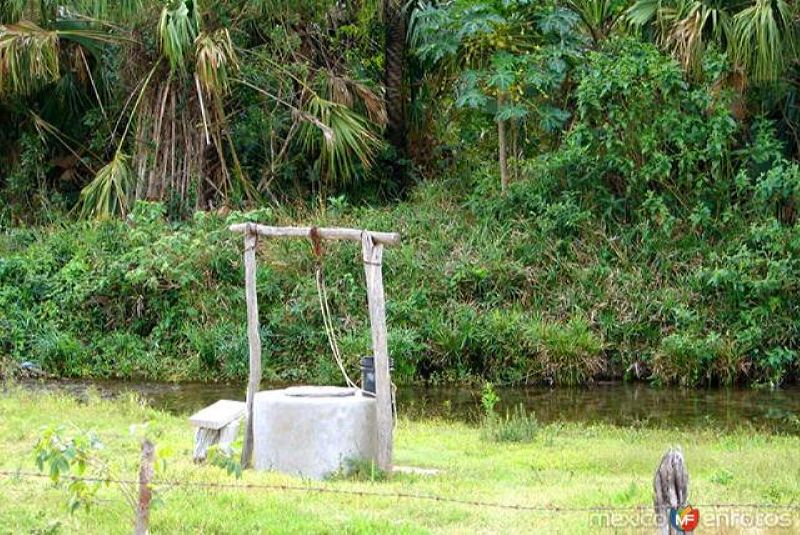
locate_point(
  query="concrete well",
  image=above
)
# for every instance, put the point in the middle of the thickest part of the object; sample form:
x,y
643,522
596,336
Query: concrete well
x,y
312,431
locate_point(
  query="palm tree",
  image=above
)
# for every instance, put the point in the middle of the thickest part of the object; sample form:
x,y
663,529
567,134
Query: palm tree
x,y
172,138
51,60
67,42
394,80
760,36
182,86
599,18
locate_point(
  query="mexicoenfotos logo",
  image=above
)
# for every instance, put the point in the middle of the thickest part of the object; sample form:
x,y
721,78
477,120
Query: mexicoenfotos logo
x,y
685,519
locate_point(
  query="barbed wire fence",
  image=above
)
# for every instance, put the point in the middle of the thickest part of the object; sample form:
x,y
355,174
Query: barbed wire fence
x,y
319,489
670,492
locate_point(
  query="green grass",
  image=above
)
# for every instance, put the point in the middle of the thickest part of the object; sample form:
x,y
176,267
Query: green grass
x,y
565,465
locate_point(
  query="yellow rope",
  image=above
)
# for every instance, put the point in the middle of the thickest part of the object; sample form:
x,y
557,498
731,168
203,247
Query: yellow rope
x,y
330,332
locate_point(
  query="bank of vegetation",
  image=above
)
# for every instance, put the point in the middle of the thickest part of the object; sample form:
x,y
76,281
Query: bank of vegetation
x,y
586,189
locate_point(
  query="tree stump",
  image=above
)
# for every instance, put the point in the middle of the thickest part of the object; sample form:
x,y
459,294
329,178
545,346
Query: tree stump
x,y
670,489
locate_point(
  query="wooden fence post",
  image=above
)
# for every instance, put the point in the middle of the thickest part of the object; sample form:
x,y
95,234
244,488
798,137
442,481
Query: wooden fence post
x,y
373,257
145,493
670,489
254,342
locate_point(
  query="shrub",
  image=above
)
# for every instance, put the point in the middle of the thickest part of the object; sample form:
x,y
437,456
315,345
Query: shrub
x,y
640,127
516,426
690,359
571,354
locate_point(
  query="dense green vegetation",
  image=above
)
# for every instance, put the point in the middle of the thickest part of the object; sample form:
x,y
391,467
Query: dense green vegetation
x,y
566,465
586,188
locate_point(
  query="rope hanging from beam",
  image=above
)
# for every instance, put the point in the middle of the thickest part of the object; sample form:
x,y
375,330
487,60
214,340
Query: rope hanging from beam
x,y
327,317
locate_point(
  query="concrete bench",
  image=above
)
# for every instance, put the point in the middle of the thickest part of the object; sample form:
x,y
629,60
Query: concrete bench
x,y
216,424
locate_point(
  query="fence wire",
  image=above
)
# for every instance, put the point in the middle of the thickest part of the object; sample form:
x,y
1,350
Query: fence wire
x,y
317,489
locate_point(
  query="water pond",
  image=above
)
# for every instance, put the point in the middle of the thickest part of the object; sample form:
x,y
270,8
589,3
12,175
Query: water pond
x,y
614,403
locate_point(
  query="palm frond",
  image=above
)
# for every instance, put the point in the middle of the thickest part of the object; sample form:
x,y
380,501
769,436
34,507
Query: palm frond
x,y
28,58
108,193
216,59
373,103
342,137
598,16
338,91
692,28
349,92
765,35
12,10
178,28
643,12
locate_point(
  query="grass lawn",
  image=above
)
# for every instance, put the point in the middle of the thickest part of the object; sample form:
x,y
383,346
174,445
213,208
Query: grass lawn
x,y
566,465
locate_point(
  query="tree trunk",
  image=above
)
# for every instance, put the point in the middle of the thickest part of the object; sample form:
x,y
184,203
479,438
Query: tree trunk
x,y
501,146
394,82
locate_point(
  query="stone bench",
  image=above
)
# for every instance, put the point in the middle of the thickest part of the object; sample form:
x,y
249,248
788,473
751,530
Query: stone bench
x,y
216,424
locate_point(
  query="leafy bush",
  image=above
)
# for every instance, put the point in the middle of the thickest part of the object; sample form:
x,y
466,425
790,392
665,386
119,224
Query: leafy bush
x,y
641,128
689,359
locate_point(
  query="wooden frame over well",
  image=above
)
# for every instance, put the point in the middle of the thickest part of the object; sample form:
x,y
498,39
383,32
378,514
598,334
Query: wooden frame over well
x,y
372,254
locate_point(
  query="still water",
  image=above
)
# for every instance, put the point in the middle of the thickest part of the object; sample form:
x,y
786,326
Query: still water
x,y
613,403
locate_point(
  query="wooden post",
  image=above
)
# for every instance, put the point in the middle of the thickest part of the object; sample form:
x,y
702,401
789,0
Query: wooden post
x,y
373,257
670,489
145,493
254,341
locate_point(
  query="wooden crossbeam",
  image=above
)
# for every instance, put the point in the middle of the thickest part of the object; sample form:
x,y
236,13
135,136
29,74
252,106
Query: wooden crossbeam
x,y
330,233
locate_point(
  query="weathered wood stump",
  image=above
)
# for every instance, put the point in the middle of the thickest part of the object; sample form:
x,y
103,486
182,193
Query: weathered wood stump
x,y
670,488
146,471
216,424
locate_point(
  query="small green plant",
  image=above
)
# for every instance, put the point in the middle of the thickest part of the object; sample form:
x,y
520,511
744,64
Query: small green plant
x,y
76,463
489,399
226,458
722,477
78,454
356,469
516,426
